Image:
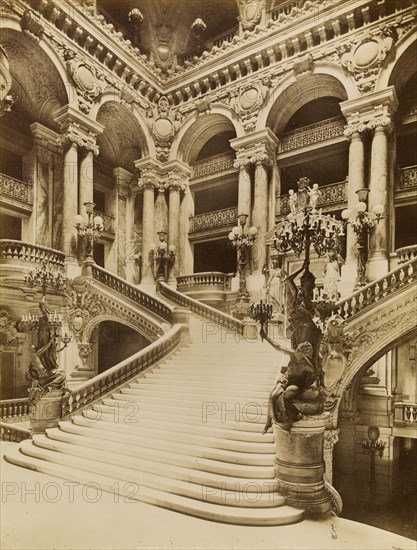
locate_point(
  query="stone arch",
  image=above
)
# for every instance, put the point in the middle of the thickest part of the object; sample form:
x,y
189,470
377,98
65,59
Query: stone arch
x,y
198,129
292,93
123,140
89,328
39,79
402,66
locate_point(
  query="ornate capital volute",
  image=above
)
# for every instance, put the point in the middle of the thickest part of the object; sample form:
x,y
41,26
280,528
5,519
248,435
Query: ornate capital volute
x,y
77,128
382,122
148,179
123,180
354,131
177,181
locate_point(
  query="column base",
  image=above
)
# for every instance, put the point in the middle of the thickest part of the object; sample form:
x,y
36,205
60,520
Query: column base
x,y
299,465
377,266
47,412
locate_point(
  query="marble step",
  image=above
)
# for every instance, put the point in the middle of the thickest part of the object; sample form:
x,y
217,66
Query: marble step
x,y
212,393
278,515
163,457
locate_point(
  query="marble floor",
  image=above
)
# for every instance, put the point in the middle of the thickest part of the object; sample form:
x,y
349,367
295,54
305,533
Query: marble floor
x,y
43,512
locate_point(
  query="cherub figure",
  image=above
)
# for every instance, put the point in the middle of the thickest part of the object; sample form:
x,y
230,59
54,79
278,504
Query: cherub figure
x,y
314,194
293,202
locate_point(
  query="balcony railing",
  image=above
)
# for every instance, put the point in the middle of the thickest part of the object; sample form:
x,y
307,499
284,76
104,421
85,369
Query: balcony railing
x,y
108,221
284,8
211,220
213,165
314,133
408,177
211,279
405,413
333,194
14,409
15,189
12,251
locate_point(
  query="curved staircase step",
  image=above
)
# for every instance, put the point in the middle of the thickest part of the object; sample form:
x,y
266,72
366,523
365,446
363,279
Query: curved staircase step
x,y
278,515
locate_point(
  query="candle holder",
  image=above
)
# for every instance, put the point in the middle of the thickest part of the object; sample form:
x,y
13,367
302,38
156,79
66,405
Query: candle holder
x,y
362,221
243,241
162,257
372,447
261,313
45,278
89,231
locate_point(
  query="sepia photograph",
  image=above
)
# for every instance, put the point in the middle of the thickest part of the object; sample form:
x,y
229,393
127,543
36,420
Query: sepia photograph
x,y
208,274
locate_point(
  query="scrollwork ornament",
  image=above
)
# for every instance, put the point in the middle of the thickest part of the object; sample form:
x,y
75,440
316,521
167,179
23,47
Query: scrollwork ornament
x,y
250,12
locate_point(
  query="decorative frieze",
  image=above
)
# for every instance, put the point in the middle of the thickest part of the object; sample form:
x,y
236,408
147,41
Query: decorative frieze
x,y
408,177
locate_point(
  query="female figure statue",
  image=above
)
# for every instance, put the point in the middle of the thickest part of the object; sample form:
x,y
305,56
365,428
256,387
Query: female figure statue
x,y
332,276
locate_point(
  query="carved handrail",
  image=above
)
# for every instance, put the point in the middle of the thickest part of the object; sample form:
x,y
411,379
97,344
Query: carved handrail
x,y
14,408
12,432
108,221
218,218
313,133
213,164
384,287
408,177
207,278
284,8
17,189
28,252
406,253
133,293
335,193
204,310
121,373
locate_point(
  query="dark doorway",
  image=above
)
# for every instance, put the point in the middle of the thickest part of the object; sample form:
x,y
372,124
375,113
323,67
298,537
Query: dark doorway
x,y
218,255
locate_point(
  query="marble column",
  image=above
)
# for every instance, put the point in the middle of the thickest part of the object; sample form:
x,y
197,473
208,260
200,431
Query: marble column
x,y
85,179
356,180
244,189
70,200
260,213
378,194
148,183
123,178
175,187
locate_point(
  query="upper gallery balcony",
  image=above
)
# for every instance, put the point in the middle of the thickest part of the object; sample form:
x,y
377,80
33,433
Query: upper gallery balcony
x,y
15,195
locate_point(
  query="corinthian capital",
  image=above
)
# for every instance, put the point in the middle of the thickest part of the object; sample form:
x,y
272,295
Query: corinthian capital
x,y
148,179
71,136
176,181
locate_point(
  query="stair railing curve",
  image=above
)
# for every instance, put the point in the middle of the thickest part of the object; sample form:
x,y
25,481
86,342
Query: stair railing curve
x,y
204,310
151,303
368,295
121,373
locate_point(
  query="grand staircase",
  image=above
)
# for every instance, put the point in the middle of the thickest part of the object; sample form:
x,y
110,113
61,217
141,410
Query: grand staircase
x,y
186,434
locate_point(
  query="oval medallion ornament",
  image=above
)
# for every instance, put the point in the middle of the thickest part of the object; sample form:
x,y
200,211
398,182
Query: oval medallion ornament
x,y
249,98
366,53
163,128
251,10
86,77
163,53
77,322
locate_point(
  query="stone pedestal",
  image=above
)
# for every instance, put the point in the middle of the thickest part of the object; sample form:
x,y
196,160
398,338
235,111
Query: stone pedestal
x,y
47,412
299,464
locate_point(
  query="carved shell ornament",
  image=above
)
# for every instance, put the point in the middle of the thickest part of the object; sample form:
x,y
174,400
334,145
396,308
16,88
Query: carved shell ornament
x,y
84,76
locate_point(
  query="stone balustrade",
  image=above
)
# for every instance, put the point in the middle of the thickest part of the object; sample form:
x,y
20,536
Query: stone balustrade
x,y
20,251
227,217
408,177
211,279
213,165
332,195
16,189
204,310
14,409
406,253
284,8
12,432
133,293
405,414
313,133
372,293
121,373
108,222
